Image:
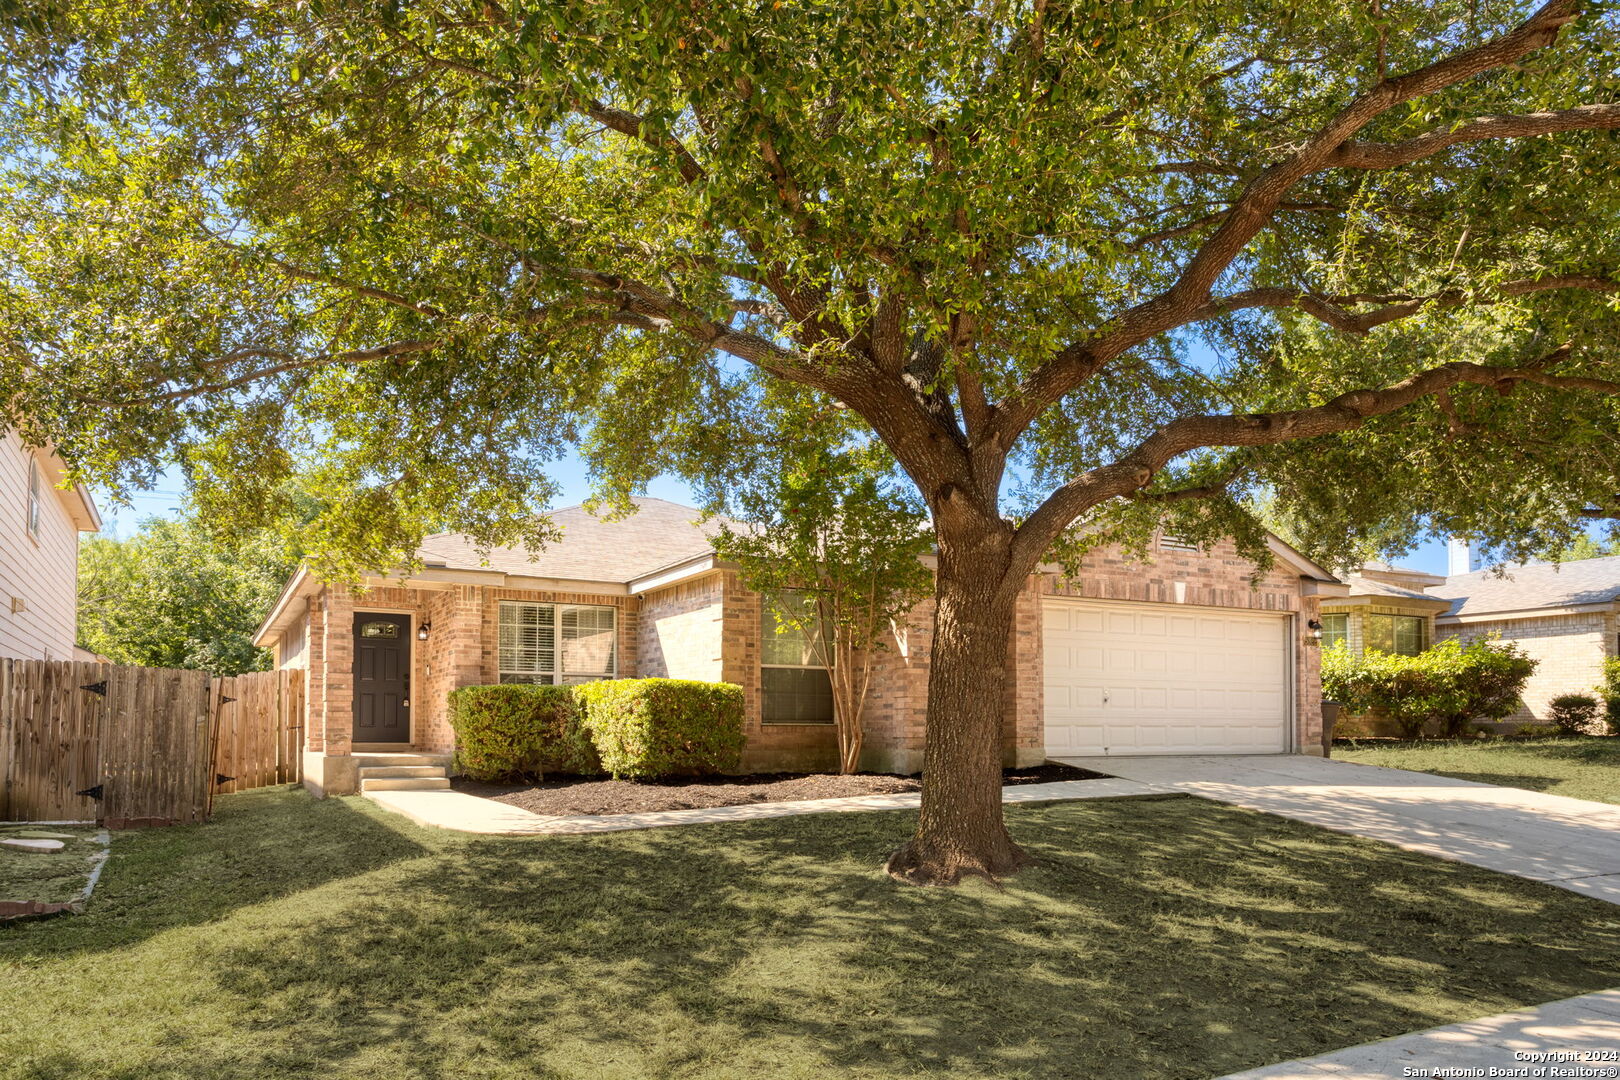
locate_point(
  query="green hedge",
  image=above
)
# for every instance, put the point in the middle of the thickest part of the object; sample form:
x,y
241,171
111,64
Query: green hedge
x,y
518,729
628,727
1441,690
1610,693
664,727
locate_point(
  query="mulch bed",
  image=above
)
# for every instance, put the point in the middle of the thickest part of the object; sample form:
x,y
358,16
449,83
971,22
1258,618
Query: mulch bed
x,y
579,795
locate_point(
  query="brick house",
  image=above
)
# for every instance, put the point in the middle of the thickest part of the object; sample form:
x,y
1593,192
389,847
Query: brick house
x,y
1182,654
1563,616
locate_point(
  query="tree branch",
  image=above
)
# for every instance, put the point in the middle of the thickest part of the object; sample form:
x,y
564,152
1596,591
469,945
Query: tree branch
x,y
1255,207
1136,469
1333,309
1378,155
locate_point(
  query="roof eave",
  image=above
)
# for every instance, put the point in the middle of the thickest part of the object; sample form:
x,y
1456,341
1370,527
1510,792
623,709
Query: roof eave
x,y
300,586
1525,613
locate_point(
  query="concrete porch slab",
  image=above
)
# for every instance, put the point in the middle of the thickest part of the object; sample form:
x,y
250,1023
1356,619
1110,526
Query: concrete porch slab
x,y
468,813
1571,843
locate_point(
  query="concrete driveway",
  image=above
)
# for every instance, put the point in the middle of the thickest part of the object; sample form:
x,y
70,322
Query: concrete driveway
x,y
1571,843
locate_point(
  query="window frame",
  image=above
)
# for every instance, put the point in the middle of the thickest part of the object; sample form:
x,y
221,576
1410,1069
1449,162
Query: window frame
x,y
34,511
559,674
1394,636
1342,633
768,624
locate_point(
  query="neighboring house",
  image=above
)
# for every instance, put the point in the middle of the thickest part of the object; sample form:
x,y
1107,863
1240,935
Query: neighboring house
x,y
1386,609
40,523
1563,616
1181,655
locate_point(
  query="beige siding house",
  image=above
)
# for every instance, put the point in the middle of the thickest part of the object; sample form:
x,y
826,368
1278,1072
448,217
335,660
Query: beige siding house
x,y
40,523
1183,654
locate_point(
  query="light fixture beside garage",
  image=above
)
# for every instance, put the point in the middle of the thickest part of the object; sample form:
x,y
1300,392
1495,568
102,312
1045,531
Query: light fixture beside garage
x,y
1315,628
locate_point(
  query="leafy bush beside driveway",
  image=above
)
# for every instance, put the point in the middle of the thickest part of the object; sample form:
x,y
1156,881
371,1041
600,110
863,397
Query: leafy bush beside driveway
x,y
1439,691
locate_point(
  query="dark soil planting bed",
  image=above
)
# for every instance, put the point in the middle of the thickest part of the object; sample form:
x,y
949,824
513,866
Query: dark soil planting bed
x,y
570,795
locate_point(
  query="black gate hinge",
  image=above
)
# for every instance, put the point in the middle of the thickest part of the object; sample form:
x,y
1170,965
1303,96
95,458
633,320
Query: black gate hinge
x,y
96,687
90,792
220,779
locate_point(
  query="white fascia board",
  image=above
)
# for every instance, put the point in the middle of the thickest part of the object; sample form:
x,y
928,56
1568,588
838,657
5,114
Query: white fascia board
x,y
683,571
302,585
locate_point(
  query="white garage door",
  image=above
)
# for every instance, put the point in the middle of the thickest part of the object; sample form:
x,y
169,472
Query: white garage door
x,y
1152,679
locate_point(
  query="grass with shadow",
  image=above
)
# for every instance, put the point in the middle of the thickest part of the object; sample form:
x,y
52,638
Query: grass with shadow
x,y
1168,938
1579,767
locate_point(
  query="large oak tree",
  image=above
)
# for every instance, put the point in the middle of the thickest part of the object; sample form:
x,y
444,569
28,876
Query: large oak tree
x,y
1151,257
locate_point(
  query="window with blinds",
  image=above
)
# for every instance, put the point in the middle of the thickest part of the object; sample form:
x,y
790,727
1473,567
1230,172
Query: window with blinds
x,y
557,643
796,684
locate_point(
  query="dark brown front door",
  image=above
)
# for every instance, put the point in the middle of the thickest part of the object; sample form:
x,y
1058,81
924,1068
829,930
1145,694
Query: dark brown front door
x,y
382,678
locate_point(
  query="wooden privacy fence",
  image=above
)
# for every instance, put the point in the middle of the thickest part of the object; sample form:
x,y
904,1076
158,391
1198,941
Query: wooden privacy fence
x,y
132,746
259,729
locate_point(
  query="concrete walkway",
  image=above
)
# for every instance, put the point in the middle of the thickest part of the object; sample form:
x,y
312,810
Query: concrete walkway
x,y
468,813
1571,843
1564,1035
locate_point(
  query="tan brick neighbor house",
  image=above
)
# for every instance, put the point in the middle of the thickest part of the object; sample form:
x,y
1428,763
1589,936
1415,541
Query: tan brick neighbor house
x,y
1563,616
1183,654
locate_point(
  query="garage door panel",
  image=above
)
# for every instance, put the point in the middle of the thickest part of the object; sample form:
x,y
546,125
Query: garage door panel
x,y
1124,678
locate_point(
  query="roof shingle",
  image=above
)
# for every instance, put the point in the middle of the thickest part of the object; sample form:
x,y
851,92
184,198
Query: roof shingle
x,y
658,535
1520,588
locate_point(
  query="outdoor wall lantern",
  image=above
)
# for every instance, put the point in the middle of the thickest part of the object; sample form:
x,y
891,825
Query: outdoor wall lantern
x,y
1314,626
422,631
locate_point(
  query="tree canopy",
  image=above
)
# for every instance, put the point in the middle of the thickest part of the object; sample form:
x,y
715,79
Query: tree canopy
x,y
173,595
424,247
1152,256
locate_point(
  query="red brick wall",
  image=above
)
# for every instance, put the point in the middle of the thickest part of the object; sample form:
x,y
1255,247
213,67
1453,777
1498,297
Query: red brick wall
x,y
710,628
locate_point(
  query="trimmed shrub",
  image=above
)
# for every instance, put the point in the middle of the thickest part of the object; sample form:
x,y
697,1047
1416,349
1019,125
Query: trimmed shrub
x,y
518,729
1574,714
664,727
1443,689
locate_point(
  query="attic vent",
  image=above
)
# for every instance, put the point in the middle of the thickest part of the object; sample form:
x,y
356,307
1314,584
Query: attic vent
x,y
435,565
1175,543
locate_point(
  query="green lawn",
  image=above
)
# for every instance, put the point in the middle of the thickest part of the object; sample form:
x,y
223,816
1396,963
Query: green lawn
x,y
51,878
1581,768
1167,938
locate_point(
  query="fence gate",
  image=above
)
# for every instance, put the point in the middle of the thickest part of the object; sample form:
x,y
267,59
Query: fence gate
x,y
100,742
258,729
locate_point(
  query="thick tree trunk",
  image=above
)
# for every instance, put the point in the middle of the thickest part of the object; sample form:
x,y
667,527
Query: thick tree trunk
x,y
960,830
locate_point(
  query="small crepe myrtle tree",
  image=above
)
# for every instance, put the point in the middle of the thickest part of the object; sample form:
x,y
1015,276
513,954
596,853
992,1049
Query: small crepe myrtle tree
x,y
1150,258
835,549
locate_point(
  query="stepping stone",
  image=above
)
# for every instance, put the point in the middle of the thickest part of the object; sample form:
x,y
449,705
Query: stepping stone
x,y
26,844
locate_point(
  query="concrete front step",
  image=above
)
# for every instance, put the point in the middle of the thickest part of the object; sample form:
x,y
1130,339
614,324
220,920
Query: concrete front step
x,y
405,783
383,760
395,772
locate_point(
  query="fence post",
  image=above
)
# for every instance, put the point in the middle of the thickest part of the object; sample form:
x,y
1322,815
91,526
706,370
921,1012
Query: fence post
x,y
7,730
